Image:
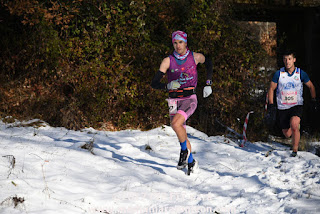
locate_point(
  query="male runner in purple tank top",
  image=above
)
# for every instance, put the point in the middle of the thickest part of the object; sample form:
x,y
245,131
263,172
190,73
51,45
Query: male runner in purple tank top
x,y
181,70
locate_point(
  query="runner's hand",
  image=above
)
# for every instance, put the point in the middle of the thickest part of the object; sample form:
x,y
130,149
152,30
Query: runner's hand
x,y
173,85
314,105
270,118
207,90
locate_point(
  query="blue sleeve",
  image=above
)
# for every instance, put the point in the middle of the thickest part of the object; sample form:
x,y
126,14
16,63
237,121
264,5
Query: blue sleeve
x,y
276,76
304,77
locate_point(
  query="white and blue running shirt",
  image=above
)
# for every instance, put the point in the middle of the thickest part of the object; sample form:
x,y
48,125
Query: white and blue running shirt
x,y
290,87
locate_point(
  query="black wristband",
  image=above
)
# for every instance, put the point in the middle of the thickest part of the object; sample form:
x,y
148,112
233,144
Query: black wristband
x,y
156,84
270,106
208,82
209,67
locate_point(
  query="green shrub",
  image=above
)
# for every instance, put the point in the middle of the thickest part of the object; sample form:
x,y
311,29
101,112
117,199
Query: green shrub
x,y
90,63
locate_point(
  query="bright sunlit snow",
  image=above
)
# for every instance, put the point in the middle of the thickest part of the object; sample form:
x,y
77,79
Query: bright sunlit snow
x,y
54,170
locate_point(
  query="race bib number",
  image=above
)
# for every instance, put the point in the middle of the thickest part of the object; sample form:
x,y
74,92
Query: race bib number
x,y
289,98
172,103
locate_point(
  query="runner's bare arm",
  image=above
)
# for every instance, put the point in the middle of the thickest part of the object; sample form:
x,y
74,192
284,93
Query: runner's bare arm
x,y
199,58
312,89
156,81
165,64
273,86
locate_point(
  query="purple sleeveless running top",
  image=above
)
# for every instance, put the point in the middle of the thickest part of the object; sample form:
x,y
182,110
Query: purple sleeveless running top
x,y
186,74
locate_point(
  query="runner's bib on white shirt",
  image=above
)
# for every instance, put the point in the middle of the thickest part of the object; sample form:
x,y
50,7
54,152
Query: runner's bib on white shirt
x,y
290,89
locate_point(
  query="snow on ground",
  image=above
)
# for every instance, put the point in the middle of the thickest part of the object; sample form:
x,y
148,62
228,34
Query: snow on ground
x,y
44,170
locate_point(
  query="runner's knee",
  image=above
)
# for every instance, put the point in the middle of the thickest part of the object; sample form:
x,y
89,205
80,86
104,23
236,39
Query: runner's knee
x,y
176,124
287,133
294,124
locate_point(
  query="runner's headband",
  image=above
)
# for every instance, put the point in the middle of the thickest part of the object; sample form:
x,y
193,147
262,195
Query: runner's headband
x,y
179,35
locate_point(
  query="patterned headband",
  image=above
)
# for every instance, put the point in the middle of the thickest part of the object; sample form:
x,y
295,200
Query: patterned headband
x,y
179,35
